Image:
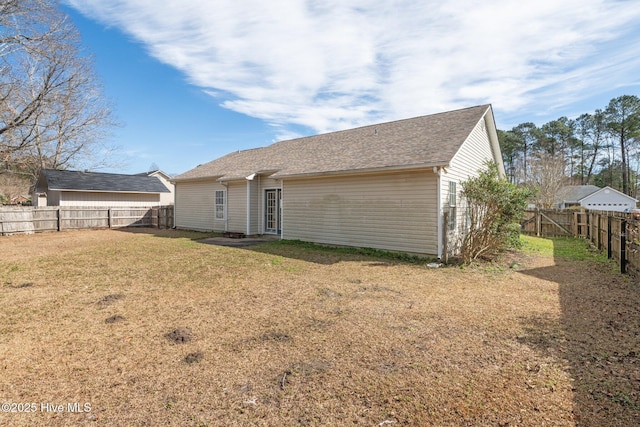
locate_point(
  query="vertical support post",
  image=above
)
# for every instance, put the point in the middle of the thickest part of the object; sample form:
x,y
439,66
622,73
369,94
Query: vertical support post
x,y
538,222
59,218
623,246
109,215
608,237
588,219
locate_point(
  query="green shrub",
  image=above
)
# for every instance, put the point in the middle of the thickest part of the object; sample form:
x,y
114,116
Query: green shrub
x,y
495,208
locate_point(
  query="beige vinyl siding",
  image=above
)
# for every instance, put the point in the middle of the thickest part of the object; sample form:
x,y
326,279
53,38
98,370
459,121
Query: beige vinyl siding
x,y
114,200
237,206
195,206
470,158
166,198
393,211
254,207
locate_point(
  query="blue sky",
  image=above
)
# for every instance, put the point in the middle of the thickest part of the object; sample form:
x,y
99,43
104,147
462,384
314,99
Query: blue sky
x,y
191,80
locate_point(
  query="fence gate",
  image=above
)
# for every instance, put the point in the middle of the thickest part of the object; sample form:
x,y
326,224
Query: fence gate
x,y
547,223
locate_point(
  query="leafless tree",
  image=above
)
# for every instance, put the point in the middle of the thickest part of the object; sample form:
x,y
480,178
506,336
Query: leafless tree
x,y
52,111
547,177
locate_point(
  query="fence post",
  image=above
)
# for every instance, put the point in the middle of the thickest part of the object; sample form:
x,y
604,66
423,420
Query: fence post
x,y
538,222
623,246
608,237
596,234
59,218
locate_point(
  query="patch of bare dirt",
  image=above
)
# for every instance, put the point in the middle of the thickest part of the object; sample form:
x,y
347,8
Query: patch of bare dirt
x,y
180,335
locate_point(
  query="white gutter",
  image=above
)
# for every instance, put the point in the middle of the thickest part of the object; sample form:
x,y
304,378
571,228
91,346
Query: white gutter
x,y
417,166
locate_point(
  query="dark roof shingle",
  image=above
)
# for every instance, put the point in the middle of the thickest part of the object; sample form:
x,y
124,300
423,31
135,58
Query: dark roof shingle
x,y
96,181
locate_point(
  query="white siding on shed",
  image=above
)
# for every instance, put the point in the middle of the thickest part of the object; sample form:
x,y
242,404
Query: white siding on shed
x,y
393,211
99,199
195,205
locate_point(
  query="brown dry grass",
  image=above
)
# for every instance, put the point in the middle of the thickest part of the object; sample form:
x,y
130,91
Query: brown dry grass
x,y
283,334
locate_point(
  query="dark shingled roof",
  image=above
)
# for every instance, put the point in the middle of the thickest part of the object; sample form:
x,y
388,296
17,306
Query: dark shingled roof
x,y
418,142
95,181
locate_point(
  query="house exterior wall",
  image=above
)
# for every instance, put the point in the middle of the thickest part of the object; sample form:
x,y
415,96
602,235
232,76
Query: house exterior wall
x,y
166,198
608,200
470,158
195,205
237,206
253,200
113,200
392,211
53,198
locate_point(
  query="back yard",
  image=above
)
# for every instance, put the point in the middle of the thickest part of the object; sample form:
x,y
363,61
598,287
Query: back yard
x,y
154,328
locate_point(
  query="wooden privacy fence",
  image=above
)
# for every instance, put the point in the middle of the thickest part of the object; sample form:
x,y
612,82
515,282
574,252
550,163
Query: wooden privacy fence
x,y
27,219
617,233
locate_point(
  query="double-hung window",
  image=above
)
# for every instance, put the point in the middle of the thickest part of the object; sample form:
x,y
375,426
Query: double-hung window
x,y
220,204
452,205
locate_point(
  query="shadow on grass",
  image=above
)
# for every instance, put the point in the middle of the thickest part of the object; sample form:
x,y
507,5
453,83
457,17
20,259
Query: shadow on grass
x,y
272,245
326,255
169,233
598,335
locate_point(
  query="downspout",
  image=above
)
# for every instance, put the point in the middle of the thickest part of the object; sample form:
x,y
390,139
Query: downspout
x,y
260,206
281,209
436,171
248,207
249,180
175,205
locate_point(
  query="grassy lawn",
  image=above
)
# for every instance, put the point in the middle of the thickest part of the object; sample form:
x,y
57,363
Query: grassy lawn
x,y
154,328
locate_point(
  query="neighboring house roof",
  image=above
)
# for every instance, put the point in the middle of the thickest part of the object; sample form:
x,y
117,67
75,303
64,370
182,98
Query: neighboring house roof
x,y
156,172
424,141
577,193
94,181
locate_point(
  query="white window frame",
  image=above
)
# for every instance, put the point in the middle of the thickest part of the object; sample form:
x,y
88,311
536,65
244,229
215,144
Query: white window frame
x,y
220,200
452,206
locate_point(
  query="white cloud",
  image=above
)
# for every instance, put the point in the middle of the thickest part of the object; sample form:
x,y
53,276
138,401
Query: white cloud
x,y
335,64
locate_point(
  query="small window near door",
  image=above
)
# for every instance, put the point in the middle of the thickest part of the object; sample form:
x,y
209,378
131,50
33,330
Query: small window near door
x,y
220,199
